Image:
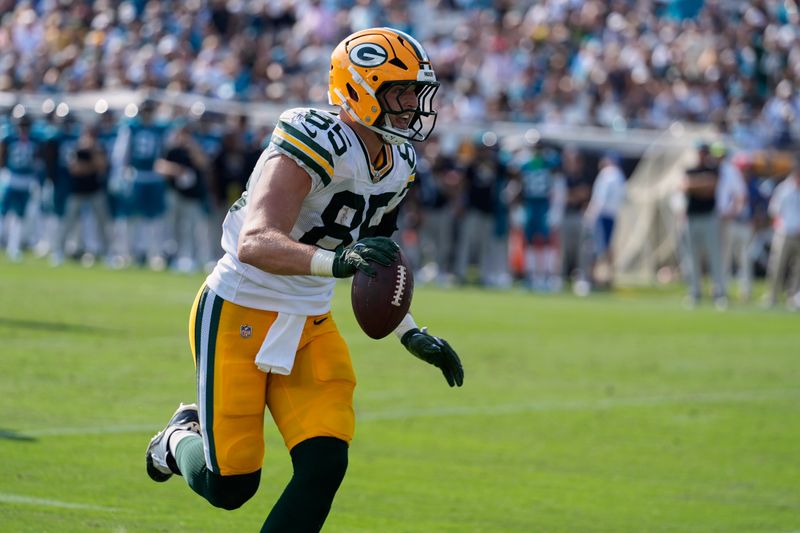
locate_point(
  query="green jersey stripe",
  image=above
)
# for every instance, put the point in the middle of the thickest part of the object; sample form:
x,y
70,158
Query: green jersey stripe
x,y
216,309
198,329
306,159
307,140
201,351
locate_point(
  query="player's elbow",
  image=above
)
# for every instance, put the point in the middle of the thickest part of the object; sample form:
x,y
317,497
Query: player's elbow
x,y
267,249
247,249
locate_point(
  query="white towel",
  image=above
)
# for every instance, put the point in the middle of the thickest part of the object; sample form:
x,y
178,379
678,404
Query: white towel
x,y
279,348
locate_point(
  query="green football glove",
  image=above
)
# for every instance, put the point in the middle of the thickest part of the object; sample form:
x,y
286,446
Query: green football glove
x,y
349,259
436,351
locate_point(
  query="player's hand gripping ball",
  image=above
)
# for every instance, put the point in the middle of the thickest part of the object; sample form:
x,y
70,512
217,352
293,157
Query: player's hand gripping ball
x,y
380,302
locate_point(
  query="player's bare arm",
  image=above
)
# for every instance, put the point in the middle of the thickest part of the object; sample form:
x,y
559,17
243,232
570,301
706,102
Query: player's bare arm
x,y
100,158
265,241
82,167
706,185
169,169
199,157
700,183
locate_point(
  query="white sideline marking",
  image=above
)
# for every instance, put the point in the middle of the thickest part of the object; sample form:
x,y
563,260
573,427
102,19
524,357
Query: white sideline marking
x,y
96,430
41,502
598,404
583,405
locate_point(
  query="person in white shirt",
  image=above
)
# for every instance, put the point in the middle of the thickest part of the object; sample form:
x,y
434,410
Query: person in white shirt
x,y
608,193
737,227
784,208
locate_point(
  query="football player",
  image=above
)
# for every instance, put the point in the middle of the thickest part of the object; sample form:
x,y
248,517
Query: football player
x,y
64,137
543,195
320,204
22,167
139,144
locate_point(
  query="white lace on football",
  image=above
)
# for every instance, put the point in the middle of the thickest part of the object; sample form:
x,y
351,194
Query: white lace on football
x,y
399,286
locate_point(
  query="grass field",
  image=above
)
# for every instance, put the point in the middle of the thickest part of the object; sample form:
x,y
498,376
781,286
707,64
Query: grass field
x,y
617,413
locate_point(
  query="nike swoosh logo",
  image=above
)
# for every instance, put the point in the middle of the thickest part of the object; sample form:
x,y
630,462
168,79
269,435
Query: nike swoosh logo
x,y
318,321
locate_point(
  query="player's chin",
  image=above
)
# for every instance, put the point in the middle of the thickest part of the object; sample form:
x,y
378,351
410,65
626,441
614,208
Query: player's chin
x,y
401,123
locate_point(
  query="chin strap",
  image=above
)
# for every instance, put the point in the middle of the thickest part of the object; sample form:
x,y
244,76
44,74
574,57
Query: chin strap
x,y
387,136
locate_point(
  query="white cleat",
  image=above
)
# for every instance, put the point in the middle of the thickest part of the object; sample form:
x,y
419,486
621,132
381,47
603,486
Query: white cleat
x,y
160,462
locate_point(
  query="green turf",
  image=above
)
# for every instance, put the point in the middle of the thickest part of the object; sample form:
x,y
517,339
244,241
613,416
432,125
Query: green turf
x,y
616,413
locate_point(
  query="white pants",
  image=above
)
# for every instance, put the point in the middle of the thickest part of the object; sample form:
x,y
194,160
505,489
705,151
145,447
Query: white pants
x,y
436,237
737,242
785,252
475,235
98,205
576,247
704,237
190,228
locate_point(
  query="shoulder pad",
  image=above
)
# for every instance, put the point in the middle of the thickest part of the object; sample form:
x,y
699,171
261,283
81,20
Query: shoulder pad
x,y
302,134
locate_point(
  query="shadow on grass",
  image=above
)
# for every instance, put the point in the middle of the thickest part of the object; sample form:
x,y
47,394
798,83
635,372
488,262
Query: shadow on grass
x,y
50,327
10,434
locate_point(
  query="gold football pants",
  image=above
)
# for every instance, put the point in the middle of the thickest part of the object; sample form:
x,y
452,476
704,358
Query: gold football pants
x,y
315,400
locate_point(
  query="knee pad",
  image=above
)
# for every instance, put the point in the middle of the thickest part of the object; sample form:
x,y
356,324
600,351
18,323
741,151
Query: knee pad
x,y
231,492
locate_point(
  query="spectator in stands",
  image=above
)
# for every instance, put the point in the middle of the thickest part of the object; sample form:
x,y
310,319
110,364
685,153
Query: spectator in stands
x,y
608,194
618,64
614,63
703,226
784,207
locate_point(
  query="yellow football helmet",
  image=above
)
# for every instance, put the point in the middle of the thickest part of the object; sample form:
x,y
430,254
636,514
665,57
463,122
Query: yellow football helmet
x,y
376,76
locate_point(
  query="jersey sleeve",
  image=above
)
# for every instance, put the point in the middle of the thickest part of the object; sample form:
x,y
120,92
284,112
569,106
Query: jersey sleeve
x,y
297,135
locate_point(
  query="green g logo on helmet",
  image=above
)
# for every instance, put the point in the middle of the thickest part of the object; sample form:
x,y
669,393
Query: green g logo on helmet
x,y
372,63
368,55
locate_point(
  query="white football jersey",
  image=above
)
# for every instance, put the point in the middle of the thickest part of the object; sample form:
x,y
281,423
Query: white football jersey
x,y
348,198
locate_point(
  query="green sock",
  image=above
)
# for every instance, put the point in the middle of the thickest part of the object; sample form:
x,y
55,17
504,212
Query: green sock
x,y
319,466
227,492
189,456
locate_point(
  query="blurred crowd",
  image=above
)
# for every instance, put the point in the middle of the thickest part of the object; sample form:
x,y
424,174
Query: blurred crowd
x,y
618,63
546,214
152,188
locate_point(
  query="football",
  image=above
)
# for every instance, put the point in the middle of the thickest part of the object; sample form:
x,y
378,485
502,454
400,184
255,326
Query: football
x,y
381,302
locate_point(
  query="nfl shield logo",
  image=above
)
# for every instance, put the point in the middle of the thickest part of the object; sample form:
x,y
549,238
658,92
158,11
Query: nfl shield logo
x,y
245,331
